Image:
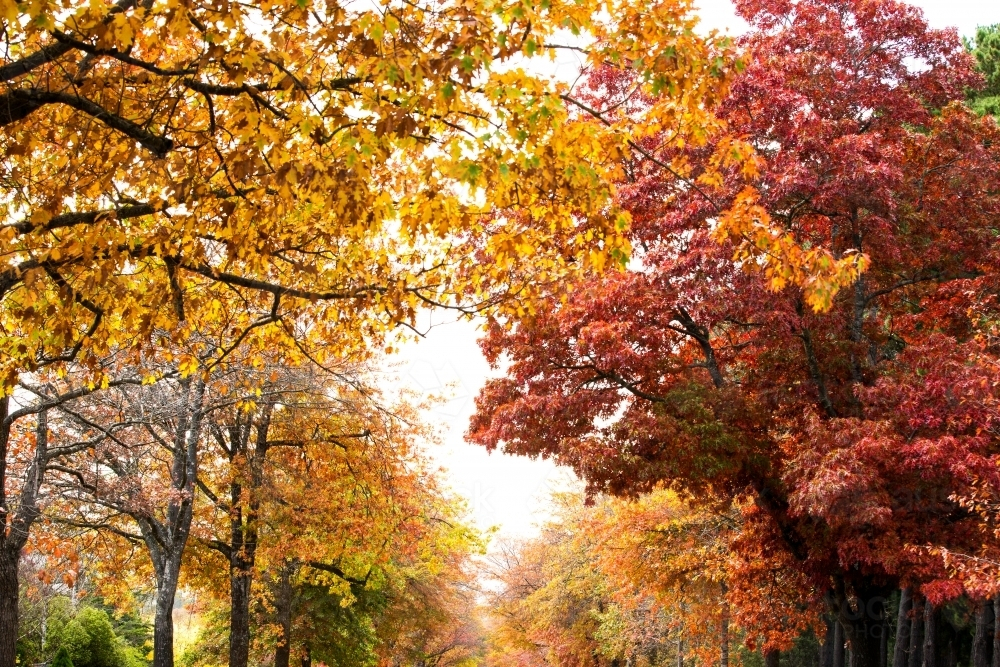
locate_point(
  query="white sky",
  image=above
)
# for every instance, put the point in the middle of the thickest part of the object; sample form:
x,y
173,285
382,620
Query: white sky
x,y
509,492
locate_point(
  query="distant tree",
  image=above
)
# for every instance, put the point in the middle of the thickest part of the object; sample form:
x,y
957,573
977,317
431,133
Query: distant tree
x,y
986,49
62,659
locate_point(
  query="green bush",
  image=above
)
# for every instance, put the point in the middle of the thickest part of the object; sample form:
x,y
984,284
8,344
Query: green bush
x,y
62,659
87,636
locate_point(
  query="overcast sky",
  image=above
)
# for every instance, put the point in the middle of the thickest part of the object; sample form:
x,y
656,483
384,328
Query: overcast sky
x,y
512,492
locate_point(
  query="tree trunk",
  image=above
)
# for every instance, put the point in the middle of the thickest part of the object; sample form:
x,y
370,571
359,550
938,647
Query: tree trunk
x,y
996,631
838,644
864,644
916,657
772,658
981,638
163,619
930,635
14,529
239,619
899,652
307,660
826,650
8,606
883,644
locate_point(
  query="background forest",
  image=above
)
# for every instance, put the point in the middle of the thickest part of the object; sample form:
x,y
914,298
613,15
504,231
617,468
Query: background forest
x,y
746,288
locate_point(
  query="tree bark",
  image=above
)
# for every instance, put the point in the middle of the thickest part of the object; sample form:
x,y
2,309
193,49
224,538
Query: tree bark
x,y
772,658
858,621
930,635
838,643
244,533
981,638
902,646
883,644
163,619
916,656
8,606
826,650
239,618
996,631
14,528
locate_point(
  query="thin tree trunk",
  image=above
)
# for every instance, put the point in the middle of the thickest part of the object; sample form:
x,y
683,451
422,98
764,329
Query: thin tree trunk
x,y
838,644
883,644
981,638
8,557
930,635
307,657
916,657
244,515
772,658
899,652
680,651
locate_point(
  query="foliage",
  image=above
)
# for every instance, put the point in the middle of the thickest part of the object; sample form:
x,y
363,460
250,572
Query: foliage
x,y
324,162
986,50
62,658
86,635
844,438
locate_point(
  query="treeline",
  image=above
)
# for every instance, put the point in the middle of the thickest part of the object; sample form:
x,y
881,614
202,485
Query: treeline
x,y
642,583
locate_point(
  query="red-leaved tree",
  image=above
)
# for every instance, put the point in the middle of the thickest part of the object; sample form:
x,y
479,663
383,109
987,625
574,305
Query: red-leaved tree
x,y
845,435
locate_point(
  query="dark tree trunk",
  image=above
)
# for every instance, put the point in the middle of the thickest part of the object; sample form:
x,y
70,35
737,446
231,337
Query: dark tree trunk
x,y
858,621
283,611
14,528
930,635
772,658
307,660
916,657
244,510
8,606
902,646
239,619
826,650
8,557
981,638
996,631
950,653
838,644
883,644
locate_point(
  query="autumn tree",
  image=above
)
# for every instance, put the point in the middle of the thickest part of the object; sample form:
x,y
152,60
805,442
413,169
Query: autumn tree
x,y
37,430
329,159
846,423
613,583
